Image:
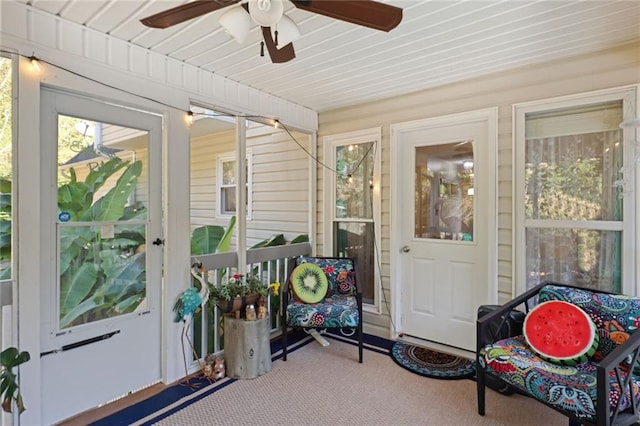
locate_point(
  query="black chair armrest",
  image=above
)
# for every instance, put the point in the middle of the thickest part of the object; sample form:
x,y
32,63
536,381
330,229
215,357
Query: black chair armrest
x,y
484,333
622,359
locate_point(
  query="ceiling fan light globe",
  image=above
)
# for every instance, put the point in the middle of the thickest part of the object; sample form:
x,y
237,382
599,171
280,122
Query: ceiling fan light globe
x,y
237,23
288,31
266,12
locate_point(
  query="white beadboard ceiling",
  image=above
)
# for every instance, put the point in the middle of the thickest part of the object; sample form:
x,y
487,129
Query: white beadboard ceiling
x,y
339,64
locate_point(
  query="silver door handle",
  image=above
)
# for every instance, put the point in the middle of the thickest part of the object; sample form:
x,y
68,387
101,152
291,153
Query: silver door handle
x,y
405,249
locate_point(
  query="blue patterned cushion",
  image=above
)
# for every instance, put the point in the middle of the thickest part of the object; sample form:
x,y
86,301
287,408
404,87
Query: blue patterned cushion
x,y
571,388
340,274
334,311
615,316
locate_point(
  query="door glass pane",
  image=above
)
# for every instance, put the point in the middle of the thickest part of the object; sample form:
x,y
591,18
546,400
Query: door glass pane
x,y
102,220
444,191
356,240
354,180
581,257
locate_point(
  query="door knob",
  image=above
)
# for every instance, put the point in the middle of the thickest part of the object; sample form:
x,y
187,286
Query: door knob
x,y
405,249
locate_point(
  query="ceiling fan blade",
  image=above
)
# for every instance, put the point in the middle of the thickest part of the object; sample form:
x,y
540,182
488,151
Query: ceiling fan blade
x,y
368,13
182,13
278,56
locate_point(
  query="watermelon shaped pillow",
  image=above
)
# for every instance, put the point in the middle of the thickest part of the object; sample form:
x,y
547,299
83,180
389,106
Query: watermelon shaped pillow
x,y
561,332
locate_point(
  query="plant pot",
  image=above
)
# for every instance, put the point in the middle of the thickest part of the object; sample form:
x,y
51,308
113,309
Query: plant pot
x,y
237,303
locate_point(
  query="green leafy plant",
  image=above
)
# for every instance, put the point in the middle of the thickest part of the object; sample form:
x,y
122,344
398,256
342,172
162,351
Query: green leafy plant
x,y
101,277
9,389
239,285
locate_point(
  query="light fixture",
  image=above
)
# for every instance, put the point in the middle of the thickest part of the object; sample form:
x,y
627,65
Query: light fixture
x,y
467,165
287,31
276,124
35,63
266,12
85,128
237,23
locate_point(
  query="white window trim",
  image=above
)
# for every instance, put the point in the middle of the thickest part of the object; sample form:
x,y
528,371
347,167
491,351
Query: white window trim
x,y
629,227
231,156
371,135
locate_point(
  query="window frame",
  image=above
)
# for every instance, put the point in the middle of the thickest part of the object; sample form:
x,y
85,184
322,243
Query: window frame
x,y
371,135
630,239
231,157
8,286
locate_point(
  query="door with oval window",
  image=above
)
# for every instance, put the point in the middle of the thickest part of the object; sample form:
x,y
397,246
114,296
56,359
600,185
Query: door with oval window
x,y
101,322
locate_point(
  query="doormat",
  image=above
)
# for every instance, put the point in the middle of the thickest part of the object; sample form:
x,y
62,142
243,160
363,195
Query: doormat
x,y
431,363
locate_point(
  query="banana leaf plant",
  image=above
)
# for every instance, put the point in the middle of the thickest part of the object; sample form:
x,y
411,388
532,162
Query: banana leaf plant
x,y
9,389
5,229
101,277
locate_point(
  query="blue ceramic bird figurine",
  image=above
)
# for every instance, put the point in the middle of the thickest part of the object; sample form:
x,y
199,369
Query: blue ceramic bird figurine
x,y
191,300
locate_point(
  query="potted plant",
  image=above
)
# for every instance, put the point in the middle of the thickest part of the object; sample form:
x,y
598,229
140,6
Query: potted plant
x,y
234,293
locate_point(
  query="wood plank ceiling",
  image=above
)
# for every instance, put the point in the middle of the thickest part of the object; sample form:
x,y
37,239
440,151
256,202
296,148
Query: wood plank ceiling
x,y
339,64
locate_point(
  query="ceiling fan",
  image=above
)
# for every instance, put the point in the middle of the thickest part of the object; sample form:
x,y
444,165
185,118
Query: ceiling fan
x,y
269,13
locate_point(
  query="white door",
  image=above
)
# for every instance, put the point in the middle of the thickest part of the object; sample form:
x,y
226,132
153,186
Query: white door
x,y
446,193
101,322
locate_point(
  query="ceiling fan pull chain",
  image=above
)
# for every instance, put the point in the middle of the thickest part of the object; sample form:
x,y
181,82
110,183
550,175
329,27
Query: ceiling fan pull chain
x,y
262,48
276,38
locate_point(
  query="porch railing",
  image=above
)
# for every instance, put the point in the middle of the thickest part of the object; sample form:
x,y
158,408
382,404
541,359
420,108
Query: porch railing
x,y
271,264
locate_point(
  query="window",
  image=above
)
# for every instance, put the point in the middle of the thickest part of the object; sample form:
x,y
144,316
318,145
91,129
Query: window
x,y
574,216
227,184
6,169
355,205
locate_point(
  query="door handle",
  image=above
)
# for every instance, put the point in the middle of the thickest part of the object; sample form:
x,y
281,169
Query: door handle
x,y
158,242
405,249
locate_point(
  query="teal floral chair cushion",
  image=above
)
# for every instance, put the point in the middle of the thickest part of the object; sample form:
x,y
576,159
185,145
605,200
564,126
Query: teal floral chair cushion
x,y
570,388
616,316
334,312
341,309
340,274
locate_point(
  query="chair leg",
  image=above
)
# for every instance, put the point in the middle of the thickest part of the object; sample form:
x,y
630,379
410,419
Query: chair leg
x,y
284,340
360,342
480,382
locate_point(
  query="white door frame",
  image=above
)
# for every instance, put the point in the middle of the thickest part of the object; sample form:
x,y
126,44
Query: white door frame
x,y
490,115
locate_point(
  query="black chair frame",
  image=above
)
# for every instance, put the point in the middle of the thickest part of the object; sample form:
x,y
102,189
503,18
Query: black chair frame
x,y
288,295
616,361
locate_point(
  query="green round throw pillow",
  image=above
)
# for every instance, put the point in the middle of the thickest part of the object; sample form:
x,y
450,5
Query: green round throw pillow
x,y
561,332
309,283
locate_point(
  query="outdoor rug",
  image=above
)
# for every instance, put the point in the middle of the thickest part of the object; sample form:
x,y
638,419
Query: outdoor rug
x,y
431,363
177,397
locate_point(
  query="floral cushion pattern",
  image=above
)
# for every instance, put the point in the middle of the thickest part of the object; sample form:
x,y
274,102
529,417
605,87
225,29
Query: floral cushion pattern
x,y
615,316
571,388
340,274
334,311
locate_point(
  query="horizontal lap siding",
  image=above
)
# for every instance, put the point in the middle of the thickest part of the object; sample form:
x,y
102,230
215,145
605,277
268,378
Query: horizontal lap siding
x,y
280,182
611,68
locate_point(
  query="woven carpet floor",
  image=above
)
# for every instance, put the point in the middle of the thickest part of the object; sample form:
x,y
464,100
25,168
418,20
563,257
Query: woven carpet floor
x,y
326,385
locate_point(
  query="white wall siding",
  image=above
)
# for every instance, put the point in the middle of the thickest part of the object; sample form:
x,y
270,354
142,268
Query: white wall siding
x,y
611,68
280,182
